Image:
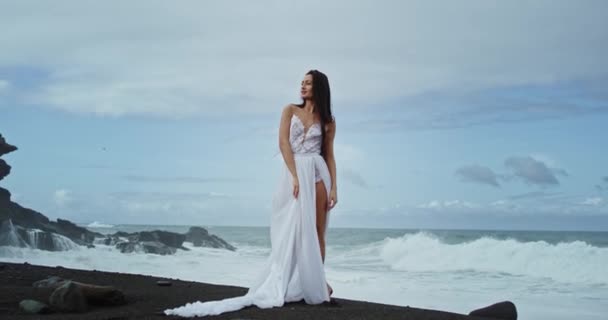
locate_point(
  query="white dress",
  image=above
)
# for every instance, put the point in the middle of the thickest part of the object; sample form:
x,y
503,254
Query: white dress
x,y
294,271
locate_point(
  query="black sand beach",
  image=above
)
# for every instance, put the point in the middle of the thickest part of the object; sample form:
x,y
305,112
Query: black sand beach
x,y
146,300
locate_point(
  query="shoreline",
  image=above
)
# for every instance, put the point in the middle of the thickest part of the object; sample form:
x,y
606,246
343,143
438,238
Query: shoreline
x,y
147,300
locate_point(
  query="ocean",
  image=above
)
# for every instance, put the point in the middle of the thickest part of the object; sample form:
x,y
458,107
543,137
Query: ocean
x,y
547,274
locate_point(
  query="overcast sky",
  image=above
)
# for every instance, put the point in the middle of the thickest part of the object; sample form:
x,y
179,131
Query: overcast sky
x,y
469,114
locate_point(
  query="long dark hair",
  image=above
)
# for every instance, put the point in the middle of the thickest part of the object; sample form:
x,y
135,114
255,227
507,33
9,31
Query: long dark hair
x,y
321,96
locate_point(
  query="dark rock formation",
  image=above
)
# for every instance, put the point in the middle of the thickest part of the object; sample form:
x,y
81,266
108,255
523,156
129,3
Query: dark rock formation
x,y
504,310
26,227
5,169
5,148
122,234
167,238
146,246
112,240
156,242
78,234
196,234
200,237
5,196
17,236
164,242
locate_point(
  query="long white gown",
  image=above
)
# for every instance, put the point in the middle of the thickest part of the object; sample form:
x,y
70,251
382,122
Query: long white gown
x,y
294,271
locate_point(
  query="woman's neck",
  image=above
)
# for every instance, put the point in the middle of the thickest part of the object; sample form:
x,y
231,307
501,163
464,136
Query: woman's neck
x,y
309,106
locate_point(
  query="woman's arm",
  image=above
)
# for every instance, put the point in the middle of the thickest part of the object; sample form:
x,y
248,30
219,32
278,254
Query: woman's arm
x,y
285,147
331,163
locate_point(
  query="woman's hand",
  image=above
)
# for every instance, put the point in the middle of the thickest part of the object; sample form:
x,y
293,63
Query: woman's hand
x,y
333,198
296,187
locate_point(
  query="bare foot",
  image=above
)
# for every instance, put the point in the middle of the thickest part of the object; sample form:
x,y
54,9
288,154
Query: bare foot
x,y
330,289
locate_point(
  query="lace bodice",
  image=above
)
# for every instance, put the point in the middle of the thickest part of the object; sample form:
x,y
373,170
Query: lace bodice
x,y
305,140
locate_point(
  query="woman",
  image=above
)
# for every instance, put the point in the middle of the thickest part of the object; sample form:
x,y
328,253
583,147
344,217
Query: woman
x,y
306,193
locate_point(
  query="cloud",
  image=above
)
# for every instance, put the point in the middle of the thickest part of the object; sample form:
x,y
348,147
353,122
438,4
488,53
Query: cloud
x,y
348,153
560,172
354,157
227,57
535,195
532,171
549,205
159,207
182,206
177,179
504,104
99,166
478,174
499,203
449,204
166,195
603,185
5,86
527,168
595,201
62,197
354,178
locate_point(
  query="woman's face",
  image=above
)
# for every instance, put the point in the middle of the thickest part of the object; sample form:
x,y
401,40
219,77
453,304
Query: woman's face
x,y
306,88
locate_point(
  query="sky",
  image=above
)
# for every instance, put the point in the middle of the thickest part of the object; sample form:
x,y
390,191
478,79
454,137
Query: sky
x,y
453,115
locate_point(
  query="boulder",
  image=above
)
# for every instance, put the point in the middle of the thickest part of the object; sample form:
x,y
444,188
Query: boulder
x,y
68,298
94,294
200,237
167,238
504,310
102,295
196,235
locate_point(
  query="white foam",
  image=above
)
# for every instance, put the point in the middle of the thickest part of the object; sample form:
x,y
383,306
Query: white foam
x,y
33,238
96,224
9,235
574,262
60,242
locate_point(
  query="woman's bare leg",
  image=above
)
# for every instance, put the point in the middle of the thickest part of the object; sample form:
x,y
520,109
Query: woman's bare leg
x,y
322,220
321,215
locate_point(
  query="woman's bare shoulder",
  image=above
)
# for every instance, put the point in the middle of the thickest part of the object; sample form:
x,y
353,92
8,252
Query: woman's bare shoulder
x,y
289,109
